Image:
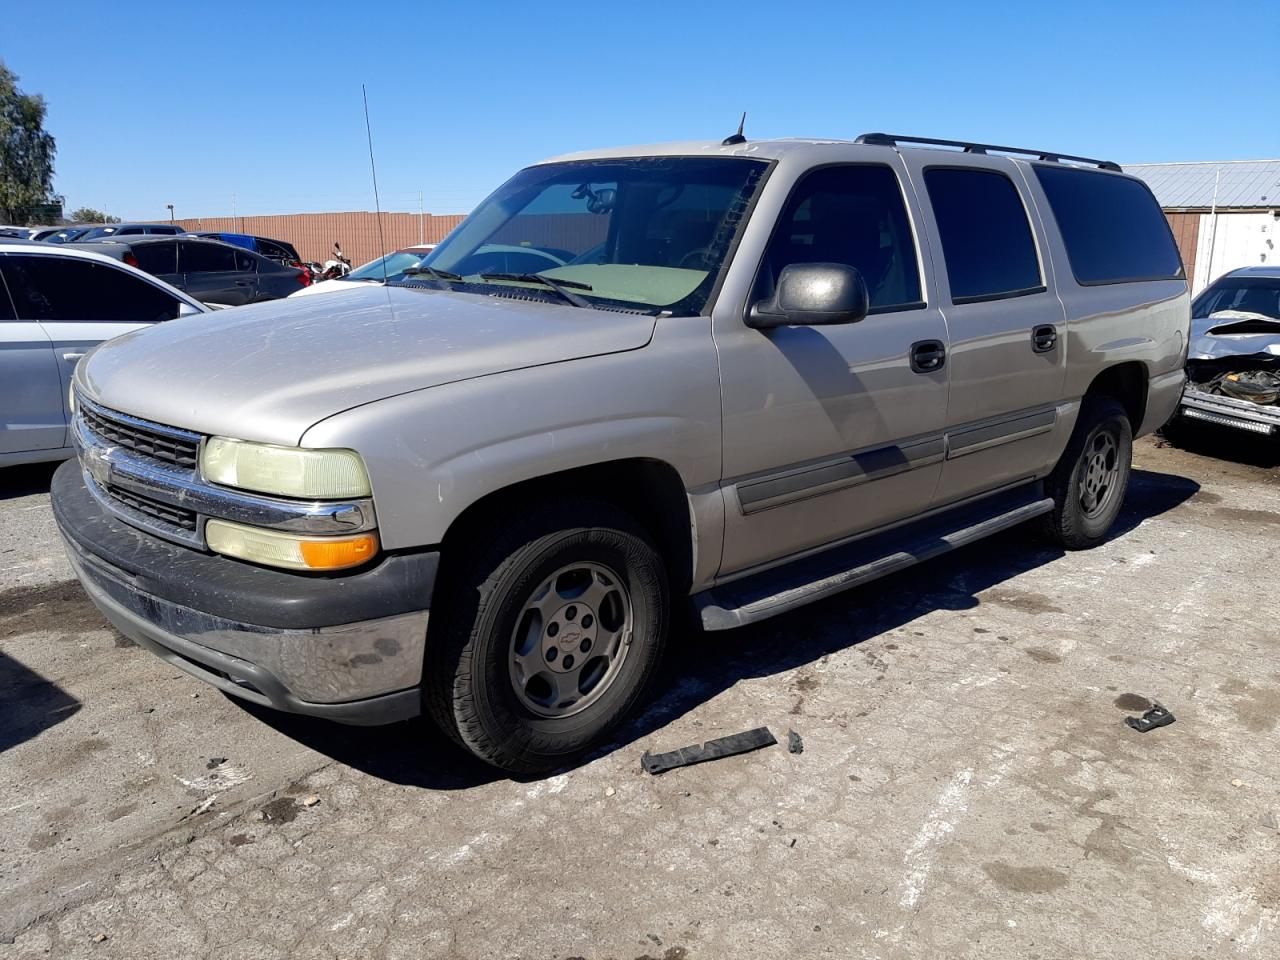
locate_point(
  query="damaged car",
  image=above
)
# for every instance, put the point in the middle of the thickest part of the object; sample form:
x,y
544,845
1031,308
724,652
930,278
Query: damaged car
x,y
1233,364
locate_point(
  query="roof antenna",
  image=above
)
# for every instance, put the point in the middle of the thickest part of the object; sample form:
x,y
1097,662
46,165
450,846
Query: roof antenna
x,y
377,206
737,138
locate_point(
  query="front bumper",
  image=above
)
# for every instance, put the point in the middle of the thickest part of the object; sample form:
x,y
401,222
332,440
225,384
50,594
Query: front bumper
x,y
348,648
1244,415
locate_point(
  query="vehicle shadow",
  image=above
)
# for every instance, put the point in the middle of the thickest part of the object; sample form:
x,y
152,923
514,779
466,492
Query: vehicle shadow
x,y
1223,443
24,480
699,666
32,703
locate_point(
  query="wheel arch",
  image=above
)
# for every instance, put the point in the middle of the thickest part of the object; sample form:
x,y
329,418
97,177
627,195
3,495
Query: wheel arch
x,y
650,490
1127,383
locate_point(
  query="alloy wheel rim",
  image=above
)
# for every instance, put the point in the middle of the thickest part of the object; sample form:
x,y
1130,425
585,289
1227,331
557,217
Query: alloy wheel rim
x,y
1101,474
570,640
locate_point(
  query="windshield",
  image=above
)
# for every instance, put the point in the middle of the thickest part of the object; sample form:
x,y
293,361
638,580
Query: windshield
x,y
649,233
397,263
1260,295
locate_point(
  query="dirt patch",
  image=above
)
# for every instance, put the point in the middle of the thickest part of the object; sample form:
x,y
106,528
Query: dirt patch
x,y
119,813
281,810
1257,709
1204,496
1041,655
240,840
1132,701
1260,517
1032,603
1025,879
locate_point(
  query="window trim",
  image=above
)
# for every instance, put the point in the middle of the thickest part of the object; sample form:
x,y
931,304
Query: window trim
x,y
1042,287
1182,266
905,306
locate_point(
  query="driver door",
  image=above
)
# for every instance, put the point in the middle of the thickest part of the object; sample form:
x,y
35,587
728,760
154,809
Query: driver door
x,y
830,431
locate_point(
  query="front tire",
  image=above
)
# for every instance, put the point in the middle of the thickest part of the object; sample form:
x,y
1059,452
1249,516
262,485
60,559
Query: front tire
x,y
1089,483
548,636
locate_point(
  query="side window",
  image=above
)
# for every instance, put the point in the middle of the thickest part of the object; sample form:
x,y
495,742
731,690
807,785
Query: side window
x,y
852,215
157,258
59,289
197,257
986,237
129,231
166,231
246,262
1112,226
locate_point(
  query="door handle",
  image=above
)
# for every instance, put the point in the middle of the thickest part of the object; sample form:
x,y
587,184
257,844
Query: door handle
x,y
243,283
72,356
928,355
1044,338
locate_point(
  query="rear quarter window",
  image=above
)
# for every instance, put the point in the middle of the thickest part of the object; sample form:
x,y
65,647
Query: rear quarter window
x,y
1113,229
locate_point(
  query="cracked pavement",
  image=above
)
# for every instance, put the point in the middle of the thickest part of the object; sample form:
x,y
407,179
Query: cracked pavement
x,y
967,786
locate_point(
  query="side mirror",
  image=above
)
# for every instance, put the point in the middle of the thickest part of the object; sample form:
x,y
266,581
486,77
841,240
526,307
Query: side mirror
x,y
187,310
813,294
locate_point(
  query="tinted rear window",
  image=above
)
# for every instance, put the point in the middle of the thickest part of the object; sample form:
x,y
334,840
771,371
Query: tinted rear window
x,y
1112,226
158,258
986,237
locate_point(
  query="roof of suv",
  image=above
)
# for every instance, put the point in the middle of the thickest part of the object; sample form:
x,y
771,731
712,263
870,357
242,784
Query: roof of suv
x,y
1270,270
777,149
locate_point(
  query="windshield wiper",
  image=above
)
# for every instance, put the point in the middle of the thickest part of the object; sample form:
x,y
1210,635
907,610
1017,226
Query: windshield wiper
x,y
561,287
432,272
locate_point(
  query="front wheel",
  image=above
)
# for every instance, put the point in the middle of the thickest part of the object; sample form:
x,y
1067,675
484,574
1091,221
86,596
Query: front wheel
x,y
1088,485
548,636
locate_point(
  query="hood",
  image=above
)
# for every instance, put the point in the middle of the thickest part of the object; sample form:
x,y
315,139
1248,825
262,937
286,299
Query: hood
x,y
332,286
270,371
1231,333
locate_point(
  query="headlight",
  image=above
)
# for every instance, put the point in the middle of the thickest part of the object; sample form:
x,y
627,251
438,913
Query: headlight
x,y
289,550
287,471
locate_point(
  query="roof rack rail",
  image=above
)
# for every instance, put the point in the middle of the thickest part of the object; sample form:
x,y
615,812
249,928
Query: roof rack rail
x,y
893,139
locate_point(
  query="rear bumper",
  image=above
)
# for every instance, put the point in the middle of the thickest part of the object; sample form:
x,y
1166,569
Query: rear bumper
x,y
346,648
1209,408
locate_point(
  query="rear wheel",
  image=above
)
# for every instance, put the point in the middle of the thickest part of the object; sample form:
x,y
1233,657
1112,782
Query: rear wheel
x,y
548,636
1088,485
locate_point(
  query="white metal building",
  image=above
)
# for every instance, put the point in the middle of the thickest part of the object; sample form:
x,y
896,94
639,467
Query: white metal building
x,y
1225,214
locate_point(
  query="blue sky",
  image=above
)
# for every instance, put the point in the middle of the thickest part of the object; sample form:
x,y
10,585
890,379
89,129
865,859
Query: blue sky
x,y
192,103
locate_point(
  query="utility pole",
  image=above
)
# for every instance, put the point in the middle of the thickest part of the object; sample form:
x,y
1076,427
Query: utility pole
x,y
422,229
170,206
233,211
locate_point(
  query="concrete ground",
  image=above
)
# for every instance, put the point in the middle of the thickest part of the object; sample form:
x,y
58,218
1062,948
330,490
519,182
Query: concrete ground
x,y
967,786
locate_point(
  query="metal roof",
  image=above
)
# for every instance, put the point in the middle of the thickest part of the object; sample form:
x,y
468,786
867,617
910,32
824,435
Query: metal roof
x,y
1240,183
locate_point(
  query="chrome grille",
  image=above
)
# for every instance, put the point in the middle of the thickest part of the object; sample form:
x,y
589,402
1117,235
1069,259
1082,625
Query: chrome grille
x,y
165,513
170,447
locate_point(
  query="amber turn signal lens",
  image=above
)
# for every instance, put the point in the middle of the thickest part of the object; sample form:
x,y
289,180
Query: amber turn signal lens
x,y
339,554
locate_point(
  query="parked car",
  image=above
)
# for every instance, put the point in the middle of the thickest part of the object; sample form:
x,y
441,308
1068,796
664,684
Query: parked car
x,y
55,303
1233,365
277,250
106,230
44,233
764,372
209,270
394,264
69,234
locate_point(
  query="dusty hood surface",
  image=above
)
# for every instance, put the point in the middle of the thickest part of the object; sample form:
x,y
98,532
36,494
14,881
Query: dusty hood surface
x,y
269,371
1212,337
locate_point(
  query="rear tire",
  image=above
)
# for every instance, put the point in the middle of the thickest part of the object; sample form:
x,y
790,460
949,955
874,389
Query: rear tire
x,y
1089,483
553,626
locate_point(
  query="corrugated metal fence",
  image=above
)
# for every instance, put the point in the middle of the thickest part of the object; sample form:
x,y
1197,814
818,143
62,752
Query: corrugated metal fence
x,y
313,234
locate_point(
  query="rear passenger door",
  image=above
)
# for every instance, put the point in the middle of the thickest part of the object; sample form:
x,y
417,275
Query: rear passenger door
x,y
1007,351
830,431
211,275
31,408
80,303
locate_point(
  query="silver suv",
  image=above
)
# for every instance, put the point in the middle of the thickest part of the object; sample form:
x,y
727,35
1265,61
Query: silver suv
x,y
757,374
